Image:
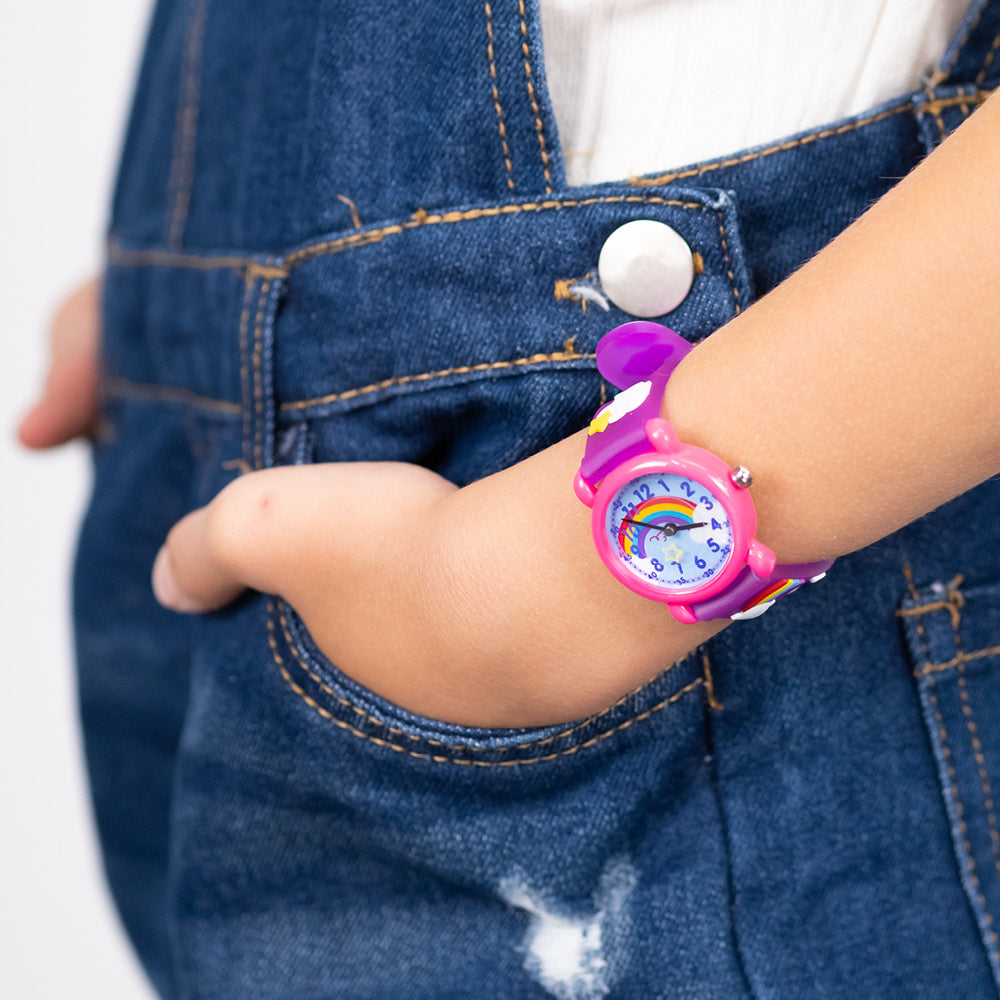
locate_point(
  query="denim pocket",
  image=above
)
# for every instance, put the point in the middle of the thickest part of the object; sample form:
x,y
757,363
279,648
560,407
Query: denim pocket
x,y
359,712
440,321
355,709
953,634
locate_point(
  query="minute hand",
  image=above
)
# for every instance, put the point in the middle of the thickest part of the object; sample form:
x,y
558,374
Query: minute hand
x,y
667,529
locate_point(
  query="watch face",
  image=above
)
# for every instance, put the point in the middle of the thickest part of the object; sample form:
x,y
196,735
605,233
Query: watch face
x,y
669,530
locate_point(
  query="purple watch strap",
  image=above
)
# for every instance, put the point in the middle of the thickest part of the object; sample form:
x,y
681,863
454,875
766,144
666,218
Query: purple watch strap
x,y
750,595
628,356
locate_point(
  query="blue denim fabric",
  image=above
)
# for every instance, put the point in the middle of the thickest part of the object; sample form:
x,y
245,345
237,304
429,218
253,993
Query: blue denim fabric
x,y
342,231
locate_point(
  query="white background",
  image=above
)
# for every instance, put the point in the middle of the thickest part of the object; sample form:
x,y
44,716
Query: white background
x,y
65,76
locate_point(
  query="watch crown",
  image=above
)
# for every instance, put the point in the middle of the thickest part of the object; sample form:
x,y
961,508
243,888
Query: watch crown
x,y
741,477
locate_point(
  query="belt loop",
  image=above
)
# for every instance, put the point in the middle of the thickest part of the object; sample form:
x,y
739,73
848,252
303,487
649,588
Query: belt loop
x,y
265,282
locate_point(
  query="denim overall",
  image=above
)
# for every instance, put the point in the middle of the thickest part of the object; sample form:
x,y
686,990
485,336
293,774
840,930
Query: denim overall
x,y
342,231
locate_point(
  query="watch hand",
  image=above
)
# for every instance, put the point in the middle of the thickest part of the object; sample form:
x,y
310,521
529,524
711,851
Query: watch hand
x,y
688,527
666,529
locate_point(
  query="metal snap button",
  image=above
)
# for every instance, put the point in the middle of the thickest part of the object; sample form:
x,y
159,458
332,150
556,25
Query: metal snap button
x,y
645,268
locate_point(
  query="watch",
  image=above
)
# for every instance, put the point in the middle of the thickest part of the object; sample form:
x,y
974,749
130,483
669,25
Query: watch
x,y
672,521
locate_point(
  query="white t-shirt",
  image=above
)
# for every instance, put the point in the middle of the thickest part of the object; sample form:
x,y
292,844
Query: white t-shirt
x,y
641,86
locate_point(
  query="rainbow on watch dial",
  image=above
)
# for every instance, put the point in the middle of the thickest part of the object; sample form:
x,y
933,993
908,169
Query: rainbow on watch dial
x,y
655,513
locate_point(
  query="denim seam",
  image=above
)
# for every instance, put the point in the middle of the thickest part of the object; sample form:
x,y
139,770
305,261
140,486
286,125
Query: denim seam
x,y
532,97
956,661
941,74
967,858
119,256
706,667
804,140
152,257
729,267
186,124
955,603
985,784
501,125
124,389
113,387
258,385
244,326
423,218
990,56
300,656
933,108
727,842
486,366
441,758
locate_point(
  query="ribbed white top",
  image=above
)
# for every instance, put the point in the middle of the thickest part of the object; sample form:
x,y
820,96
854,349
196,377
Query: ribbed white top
x,y
641,86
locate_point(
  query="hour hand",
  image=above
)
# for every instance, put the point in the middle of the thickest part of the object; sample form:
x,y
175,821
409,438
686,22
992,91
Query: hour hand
x,y
666,529
687,527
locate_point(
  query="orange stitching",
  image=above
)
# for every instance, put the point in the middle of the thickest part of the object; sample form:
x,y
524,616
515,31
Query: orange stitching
x,y
977,746
355,218
177,394
777,148
266,271
534,359
937,668
121,257
424,218
368,717
534,102
121,389
440,759
186,125
258,387
729,267
249,282
939,121
167,258
970,861
924,609
941,75
496,98
984,778
946,754
989,59
782,147
706,664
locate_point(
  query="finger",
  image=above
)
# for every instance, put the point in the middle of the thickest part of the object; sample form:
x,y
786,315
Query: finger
x,y
303,532
68,404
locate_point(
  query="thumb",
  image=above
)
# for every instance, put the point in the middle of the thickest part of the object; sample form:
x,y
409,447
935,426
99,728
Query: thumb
x,y
290,531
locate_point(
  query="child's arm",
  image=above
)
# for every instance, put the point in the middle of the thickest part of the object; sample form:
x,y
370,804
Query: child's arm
x,y
862,393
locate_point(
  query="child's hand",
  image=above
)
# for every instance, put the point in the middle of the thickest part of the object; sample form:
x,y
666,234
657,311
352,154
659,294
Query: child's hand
x,y
466,605
68,405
